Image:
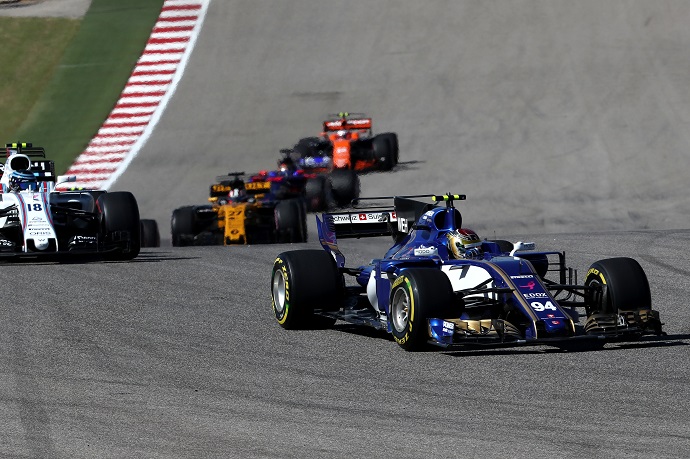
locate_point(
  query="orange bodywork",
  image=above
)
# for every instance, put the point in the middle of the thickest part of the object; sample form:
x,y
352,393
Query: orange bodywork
x,y
342,158
341,154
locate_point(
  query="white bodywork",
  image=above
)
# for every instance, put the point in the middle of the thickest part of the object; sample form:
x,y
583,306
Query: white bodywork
x,y
462,277
465,277
33,207
34,217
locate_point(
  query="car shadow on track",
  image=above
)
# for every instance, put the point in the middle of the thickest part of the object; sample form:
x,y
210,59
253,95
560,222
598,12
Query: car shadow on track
x,y
401,166
143,257
367,332
536,349
154,257
643,343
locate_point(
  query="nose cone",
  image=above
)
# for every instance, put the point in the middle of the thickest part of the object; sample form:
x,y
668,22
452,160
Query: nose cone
x,y
41,243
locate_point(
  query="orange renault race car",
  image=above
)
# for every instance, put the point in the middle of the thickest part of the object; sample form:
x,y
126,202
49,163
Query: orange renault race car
x,y
267,207
347,143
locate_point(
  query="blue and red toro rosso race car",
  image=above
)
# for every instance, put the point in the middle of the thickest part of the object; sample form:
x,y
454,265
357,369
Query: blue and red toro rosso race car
x,y
440,284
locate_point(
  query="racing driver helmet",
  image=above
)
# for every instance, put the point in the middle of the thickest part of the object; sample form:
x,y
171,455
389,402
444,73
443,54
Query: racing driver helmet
x,y
22,180
464,243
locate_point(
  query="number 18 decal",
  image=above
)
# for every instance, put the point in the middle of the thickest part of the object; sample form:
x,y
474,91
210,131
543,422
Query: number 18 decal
x,y
34,207
539,307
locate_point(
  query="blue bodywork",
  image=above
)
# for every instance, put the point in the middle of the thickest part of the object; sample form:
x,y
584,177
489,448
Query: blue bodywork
x,y
515,282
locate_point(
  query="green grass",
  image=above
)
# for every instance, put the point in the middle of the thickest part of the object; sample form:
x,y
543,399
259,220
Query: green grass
x,y
30,50
89,78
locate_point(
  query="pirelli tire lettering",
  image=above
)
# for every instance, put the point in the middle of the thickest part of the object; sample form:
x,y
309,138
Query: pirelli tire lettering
x,y
596,273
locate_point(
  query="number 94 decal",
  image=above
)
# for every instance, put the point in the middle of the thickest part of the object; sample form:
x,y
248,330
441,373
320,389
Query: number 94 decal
x,y
540,307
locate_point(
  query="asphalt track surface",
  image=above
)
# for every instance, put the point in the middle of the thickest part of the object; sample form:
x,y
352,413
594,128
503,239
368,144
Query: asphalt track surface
x,y
563,122
44,8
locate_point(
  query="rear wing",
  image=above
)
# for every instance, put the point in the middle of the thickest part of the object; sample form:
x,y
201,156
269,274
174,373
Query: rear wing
x,y
347,121
397,221
226,183
369,223
24,148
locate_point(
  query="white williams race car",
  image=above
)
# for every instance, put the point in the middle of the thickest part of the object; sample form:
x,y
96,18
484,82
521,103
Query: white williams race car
x,y
36,220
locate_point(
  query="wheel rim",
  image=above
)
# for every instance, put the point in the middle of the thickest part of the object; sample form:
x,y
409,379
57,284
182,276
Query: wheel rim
x,y
400,307
599,307
279,292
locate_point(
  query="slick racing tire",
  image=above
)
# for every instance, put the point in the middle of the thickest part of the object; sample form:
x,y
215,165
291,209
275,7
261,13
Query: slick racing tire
x,y
290,221
182,226
623,285
392,139
302,209
318,193
302,281
383,152
150,236
345,186
419,294
120,214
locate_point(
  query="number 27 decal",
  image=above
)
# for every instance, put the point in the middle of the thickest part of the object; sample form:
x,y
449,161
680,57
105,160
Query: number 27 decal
x,y
539,306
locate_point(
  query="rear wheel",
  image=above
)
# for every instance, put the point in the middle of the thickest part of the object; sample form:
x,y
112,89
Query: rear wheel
x,y
418,294
120,224
290,221
383,152
392,139
318,191
182,226
302,207
345,186
301,281
150,236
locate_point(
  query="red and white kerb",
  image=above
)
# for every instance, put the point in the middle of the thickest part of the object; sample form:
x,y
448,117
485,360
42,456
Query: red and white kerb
x,y
150,86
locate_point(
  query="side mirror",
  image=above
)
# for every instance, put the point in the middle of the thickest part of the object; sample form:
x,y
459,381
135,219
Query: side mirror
x,y
520,246
65,179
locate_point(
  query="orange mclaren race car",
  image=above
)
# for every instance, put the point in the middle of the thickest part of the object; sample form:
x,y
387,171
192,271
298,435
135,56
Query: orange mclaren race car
x,y
347,143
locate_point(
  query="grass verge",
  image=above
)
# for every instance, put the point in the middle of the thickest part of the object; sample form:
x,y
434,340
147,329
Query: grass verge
x,y
30,50
90,77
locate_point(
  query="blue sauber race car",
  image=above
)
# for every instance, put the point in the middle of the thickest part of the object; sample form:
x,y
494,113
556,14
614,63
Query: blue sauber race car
x,y
440,284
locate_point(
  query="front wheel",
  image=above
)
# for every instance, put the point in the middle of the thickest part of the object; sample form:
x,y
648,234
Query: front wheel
x,y
418,294
120,224
301,281
620,284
